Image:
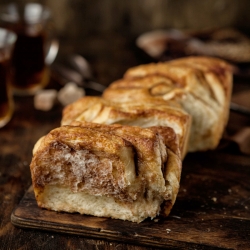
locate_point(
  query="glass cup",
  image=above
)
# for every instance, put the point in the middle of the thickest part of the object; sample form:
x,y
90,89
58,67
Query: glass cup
x,y
7,40
30,22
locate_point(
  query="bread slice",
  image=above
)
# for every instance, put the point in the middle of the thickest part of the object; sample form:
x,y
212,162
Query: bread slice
x,y
141,114
201,85
116,171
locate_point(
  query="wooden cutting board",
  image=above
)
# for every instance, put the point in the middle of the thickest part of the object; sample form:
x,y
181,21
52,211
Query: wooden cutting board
x,y
212,210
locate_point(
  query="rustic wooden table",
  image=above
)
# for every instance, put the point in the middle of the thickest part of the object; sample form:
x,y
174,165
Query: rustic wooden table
x,y
213,206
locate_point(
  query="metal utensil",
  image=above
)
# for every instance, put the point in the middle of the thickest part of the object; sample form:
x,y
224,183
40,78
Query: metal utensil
x,y
239,109
71,75
80,64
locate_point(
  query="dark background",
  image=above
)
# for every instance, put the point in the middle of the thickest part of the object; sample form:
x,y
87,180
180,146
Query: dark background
x,y
94,28
80,18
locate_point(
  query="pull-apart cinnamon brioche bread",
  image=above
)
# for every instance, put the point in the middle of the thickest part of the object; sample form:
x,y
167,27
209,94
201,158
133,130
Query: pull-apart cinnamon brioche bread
x,y
116,171
201,85
141,114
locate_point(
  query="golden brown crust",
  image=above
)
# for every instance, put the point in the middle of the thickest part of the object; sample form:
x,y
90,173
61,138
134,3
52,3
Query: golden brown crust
x,y
128,164
74,110
170,138
211,73
146,143
172,164
201,85
142,114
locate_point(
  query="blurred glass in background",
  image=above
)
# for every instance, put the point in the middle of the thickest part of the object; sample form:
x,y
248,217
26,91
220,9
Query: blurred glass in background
x,y
7,40
91,27
29,22
80,18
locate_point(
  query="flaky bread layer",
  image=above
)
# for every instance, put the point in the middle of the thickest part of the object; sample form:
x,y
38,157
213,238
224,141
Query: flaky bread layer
x,y
60,198
171,157
140,114
201,85
85,159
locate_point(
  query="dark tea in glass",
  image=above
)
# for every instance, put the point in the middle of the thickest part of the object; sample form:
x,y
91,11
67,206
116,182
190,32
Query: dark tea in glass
x,y
29,22
29,69
7,40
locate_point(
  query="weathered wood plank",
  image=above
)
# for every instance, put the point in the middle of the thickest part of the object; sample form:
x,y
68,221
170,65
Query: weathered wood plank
x,y
211,211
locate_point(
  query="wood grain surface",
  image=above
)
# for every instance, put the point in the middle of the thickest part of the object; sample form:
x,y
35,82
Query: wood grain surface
x,y
211,211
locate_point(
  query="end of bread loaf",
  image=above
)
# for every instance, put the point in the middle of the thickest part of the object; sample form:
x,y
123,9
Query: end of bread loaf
x,y
114,171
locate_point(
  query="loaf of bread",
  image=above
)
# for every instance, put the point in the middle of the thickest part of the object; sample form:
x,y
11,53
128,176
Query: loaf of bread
x,y
120,155
141,114
116,171
201,85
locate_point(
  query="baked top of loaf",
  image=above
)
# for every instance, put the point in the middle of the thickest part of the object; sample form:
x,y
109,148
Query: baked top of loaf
x,y
141,114
177,70
132,173
201,85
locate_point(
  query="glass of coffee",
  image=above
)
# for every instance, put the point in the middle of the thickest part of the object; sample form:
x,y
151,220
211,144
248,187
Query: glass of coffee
x,y
7,40
30,22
